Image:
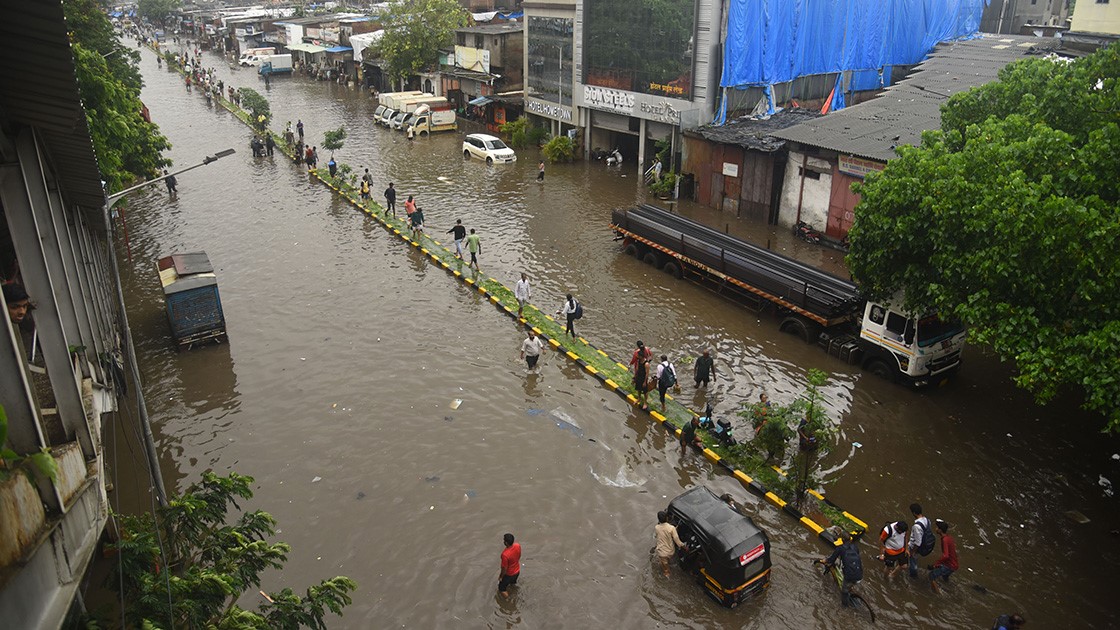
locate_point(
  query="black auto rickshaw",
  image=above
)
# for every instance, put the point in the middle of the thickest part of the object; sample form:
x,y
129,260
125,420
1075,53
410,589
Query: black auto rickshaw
x,y
728,553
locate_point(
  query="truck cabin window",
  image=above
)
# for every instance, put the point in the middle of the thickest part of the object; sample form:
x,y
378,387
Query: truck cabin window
x,y
877,314
896,326
932,329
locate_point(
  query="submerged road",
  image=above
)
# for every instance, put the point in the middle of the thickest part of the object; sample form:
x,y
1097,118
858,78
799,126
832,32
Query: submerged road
x,y
347,350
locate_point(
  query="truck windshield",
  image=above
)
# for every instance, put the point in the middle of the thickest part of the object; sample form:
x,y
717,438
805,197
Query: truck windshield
x,y
932,329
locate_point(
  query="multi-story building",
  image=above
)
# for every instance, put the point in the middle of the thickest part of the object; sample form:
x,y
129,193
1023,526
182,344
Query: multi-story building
x,y
59,372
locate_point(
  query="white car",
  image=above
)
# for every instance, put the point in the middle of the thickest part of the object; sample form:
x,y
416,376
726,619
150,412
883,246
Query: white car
x,y
487,148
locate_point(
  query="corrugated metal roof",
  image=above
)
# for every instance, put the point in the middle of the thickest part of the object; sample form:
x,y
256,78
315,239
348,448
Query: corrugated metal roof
x,y
899,116
38,88
755,133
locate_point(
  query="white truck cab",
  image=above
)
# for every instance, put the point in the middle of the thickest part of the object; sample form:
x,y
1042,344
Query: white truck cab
x,y
923,350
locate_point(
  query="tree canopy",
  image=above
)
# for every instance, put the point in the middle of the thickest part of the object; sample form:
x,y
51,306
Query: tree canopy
x,y
127,146
157,10
1007,219
415,30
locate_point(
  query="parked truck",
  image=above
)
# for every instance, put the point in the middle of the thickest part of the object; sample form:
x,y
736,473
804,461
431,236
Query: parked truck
x,y
428,120
253,53
385,102
410,107
812,304
402,107
275,64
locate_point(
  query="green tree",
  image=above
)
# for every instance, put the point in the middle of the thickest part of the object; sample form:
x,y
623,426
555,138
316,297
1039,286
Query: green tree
x,y
157,10
127,146
1007,220
210,563
333,139
258,107
415,31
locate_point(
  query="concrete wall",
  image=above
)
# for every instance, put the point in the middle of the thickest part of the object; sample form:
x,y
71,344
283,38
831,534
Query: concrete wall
x,y
814,196
1090,17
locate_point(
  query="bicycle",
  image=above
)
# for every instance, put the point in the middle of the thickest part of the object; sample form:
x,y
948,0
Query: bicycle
x,y
858,602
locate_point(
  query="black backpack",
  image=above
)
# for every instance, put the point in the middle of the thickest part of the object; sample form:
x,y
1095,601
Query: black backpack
x,y
578,314
926,546
668,377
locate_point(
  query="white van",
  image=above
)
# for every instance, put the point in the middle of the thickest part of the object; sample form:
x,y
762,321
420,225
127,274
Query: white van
x,y
249,56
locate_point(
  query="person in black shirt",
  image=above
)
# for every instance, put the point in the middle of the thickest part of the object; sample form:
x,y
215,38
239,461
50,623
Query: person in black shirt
x,y
391,199
688,435
850,564
459,232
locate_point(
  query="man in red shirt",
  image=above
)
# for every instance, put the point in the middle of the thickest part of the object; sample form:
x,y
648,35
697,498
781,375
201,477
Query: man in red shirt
x,y
511,565
947,564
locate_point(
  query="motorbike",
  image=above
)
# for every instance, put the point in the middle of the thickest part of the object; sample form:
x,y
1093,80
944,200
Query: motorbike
x,y
614,159
806,233
721,429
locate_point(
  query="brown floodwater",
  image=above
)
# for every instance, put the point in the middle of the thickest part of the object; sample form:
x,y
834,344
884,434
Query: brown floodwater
x,y
346,350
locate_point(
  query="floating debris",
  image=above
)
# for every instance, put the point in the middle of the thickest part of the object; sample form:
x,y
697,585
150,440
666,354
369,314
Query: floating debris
x,y
316,480
455,403
432,479
857,445
361,495
1077,517
1106,484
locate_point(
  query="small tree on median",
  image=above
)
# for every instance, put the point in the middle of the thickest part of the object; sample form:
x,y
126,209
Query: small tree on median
x,y
333,140
259,110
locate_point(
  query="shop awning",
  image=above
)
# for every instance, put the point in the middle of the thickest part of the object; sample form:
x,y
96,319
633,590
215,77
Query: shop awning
x,y
307,48
482,100
338,49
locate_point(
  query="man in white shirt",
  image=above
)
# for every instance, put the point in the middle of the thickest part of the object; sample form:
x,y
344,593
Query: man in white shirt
x,y
522,291
531,349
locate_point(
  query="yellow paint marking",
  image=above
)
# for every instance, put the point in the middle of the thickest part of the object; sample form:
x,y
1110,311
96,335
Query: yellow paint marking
x,y
775,499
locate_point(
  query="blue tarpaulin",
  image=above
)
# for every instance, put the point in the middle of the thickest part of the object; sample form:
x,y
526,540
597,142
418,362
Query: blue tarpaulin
x,y
775,41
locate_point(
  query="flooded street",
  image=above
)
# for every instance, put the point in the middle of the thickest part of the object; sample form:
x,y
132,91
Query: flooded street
x,y
346,350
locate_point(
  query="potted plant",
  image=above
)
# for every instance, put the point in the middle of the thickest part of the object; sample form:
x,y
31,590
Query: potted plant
x,y
665,187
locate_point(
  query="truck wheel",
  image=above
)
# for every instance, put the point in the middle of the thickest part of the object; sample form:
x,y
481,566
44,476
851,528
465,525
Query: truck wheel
x,y
880,368
800,328
631,250
466,154
673,269
652,258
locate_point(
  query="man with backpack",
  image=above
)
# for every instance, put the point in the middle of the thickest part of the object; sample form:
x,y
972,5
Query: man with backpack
x,y
666,378
1009,622
892,544
921,539
850,564
572,310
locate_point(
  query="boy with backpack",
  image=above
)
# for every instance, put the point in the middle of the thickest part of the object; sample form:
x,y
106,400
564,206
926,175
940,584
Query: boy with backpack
x,y
892,545
666,378
921,538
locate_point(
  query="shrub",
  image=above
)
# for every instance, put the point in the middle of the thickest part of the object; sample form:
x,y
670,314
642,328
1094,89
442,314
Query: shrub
x,y
559,149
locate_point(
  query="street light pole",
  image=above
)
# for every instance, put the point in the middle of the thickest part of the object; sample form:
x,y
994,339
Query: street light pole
x,y
130,348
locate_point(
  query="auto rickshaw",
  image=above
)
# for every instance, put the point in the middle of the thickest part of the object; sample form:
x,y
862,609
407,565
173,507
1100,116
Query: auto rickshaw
x,y
727,553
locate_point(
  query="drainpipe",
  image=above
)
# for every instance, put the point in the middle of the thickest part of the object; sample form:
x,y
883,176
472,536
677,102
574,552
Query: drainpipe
x,y
801,194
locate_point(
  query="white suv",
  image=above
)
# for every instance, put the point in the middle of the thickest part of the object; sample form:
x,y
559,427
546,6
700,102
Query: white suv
x,y
488,148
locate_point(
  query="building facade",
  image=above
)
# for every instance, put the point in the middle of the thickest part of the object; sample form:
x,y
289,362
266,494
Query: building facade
x,y
60,363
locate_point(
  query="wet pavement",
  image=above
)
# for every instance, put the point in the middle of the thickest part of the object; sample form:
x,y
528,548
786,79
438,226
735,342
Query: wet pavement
x,y
346,350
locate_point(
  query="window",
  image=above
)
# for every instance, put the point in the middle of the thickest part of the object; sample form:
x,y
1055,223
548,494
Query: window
x,y
478,41
807,173
896,324
877,314
549,73
640,45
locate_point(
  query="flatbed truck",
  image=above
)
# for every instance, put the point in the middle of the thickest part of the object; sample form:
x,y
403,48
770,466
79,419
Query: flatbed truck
x,y
812,304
